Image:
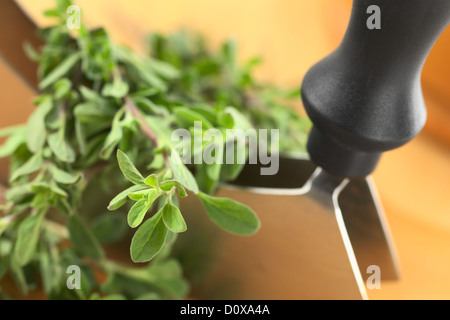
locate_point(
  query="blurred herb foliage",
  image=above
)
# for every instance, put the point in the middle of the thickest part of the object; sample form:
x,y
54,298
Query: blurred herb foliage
x,y
102,107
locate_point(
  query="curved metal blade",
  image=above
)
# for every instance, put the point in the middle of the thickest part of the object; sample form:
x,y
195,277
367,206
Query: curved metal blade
x,y
368,229
306,248
325,189
298,253
359,204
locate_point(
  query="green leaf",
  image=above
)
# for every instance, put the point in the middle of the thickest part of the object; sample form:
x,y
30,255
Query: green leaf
x,y
44,190
64,177
83,239
206,111
50,269
18,274
182,173
61,70
139,195
40,200
14,142
90,112
11,130
213,169
47,274
33,164
173,219
90,95
117,204
145,93
137,213
98,59
80,135
60,147
36,131
169,184
128,169
168,174
118,89
229,49
52,13
152,79
4,224
163,69
139,209
231,118
17,192
187,117
92,151
150,107
152,181
153,195
27,237
109,228
64,206
205,183
121,198
38,186
231,171
114,137
175,288
148,239
31,53
57,190
130,124
142,67
62,88
230,215
168,277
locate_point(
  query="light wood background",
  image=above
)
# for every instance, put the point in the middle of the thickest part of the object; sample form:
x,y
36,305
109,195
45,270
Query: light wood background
x,y
413,181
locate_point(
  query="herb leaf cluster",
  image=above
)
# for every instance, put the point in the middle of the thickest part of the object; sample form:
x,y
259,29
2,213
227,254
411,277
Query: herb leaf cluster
x,y
102,107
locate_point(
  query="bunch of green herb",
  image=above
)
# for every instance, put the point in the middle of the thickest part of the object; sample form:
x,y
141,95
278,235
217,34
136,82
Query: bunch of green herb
x,y
102,107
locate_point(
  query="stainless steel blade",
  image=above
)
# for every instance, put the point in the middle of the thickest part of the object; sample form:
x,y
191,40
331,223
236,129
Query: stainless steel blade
x,y
361,209
304,249
368,228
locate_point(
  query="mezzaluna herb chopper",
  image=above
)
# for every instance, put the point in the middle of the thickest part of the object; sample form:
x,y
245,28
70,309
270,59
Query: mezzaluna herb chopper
x,y
322,222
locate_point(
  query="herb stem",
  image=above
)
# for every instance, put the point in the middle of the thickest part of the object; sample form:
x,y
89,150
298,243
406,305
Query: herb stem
x,y
148,132
134,111
166,158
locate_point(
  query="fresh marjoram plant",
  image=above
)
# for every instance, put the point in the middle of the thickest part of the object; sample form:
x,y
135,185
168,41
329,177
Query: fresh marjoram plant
x,y
102,107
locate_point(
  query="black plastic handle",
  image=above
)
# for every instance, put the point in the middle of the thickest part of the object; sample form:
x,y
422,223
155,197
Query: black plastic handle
x,y
366,96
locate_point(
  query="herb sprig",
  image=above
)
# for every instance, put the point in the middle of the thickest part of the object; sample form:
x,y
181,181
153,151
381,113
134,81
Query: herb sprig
x,y
101,107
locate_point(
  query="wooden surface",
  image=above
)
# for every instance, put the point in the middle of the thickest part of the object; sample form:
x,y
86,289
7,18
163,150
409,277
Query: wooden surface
x,y
413,182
